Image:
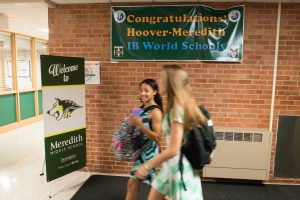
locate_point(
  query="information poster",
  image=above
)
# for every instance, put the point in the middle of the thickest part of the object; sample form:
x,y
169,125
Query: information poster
x,y
92,72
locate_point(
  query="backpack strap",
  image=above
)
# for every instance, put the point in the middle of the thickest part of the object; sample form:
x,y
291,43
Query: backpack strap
x,y
180,159
181,170
150,108
146,120
146,110
204,111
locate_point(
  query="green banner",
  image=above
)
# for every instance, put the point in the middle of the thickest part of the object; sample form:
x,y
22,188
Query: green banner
x,y
177,33
64,114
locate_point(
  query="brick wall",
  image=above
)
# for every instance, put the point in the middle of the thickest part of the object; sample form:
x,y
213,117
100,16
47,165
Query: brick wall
x,y
237,94
287,100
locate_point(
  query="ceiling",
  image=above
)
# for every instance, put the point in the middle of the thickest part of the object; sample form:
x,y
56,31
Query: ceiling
x,y
25,18
30,17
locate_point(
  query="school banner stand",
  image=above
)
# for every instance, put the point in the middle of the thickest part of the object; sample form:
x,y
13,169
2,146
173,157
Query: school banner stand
x,y
63,86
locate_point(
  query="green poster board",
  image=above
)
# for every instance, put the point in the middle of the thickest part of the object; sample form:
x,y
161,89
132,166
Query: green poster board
x,y
27,107
177,33
40,97
8,109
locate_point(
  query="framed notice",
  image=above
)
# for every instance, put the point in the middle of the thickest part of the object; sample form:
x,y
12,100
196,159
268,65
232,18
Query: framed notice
x,y
23,67
92,72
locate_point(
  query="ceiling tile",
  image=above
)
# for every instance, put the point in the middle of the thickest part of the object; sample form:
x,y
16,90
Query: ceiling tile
x,y
27,18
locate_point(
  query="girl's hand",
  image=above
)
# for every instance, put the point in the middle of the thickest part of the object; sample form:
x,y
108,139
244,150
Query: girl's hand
x,y
137,121
142,173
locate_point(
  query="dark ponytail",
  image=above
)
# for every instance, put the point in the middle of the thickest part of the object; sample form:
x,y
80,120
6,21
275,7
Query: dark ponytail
x,y
158,101
154,85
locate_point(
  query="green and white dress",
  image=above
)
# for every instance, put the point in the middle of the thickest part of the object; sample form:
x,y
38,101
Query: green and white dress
x,y
149,151
168,181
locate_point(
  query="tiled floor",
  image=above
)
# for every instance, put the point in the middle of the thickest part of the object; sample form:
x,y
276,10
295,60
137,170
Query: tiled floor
x,y
21,162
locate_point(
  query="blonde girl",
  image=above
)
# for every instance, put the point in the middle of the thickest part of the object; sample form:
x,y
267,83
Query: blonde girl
x,y
181,114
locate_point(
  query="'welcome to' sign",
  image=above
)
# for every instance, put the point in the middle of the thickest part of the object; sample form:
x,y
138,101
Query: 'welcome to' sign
x,y
63,84
177,33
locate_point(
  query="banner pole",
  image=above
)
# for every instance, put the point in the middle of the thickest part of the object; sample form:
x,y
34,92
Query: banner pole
x,y
43,168
42,174
49,189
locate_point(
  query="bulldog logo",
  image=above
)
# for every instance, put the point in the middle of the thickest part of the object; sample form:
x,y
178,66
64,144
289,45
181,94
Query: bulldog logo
x,y
62,108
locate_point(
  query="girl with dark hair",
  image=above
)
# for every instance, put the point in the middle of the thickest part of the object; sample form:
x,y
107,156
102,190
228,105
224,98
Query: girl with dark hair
x,y
154,85
150,125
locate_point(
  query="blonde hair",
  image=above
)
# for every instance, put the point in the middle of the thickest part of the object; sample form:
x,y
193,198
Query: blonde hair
x,y
179,95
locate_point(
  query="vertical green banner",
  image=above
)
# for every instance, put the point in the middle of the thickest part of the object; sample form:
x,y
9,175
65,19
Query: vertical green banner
x,y
64,114
177,33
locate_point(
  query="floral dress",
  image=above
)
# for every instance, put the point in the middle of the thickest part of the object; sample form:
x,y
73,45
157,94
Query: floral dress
x,y
149,151
168,181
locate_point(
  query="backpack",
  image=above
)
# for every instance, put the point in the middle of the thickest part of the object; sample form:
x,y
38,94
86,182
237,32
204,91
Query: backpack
x,y
128,140
199,145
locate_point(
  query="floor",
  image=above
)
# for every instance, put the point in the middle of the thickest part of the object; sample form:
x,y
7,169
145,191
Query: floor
x,y
100,187
21,163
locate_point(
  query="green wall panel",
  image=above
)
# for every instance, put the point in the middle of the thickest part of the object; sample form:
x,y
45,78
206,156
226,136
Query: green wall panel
x,y
8,109
27,105
40,102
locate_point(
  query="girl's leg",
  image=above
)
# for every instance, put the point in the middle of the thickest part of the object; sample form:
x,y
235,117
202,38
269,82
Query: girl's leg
x,y
132,189
155,195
